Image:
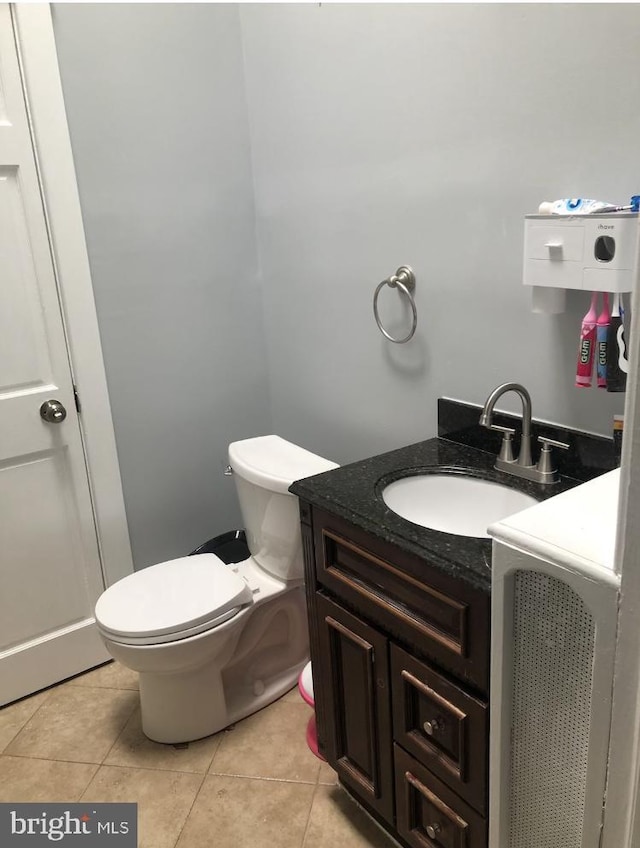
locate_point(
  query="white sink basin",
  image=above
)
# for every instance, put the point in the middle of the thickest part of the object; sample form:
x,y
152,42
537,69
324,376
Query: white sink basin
x,y
453,503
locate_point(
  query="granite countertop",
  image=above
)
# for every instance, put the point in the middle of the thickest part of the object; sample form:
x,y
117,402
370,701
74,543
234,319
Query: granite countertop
x,y
353,493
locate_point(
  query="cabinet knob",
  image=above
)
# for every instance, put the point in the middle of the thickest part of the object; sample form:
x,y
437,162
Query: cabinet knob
x,y
433,830
432,726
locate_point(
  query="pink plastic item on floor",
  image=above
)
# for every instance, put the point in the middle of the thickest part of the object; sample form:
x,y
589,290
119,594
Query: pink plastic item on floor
x,y
305,687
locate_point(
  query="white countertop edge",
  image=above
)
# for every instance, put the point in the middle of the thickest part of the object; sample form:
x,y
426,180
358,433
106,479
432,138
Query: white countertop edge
x,y
555,555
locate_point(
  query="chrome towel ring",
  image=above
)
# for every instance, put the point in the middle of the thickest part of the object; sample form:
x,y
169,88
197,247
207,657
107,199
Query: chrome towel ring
x,y
405,280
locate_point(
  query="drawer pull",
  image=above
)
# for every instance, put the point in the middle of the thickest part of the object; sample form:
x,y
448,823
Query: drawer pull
x,y
433,726
432,695
456,820
555,249
433,830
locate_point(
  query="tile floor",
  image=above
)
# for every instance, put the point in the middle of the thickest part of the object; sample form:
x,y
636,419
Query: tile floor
x,y
255,785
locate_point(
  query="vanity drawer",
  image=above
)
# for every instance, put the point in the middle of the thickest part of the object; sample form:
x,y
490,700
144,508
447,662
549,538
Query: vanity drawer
x,y
442,726
429,814
442,617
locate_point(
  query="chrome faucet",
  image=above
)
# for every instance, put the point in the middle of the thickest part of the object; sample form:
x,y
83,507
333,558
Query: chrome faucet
x,y
543,472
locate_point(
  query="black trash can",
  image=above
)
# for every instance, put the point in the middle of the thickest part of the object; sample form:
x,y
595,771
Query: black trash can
x,y
230,547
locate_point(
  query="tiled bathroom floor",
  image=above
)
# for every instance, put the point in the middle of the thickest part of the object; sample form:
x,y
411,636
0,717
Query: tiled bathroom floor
x,y
255,785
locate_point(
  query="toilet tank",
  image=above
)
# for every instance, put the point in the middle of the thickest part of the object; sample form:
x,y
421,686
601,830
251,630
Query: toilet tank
x,y
263,470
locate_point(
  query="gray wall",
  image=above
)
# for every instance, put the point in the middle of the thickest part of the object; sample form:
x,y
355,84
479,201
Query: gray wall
x,y
375,135
422,134
157,114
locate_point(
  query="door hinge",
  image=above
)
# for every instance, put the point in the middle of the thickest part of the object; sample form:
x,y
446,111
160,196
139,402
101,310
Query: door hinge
x,y
76,398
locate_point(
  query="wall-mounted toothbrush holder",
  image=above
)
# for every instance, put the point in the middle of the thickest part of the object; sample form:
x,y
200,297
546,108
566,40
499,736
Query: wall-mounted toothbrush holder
x,y
590,252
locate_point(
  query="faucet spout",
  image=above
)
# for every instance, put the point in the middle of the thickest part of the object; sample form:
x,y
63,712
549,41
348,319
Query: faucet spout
x,y
524,457
485,418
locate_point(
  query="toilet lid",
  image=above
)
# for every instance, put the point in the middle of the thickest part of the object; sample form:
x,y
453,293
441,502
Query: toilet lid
x,y
274,463
171,597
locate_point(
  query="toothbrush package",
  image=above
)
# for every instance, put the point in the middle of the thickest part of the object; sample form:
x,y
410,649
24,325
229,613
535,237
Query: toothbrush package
x,y
587,345
603,344
617,357
602,332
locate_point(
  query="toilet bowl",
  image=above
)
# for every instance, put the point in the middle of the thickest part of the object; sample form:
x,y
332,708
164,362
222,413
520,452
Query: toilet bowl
x,y
214,642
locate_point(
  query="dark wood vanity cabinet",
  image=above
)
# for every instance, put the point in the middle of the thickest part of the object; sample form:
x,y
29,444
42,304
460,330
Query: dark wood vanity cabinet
x,y
354,667
399,653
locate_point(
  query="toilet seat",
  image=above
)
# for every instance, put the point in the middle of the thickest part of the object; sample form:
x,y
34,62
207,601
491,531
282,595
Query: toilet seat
x,y
172,600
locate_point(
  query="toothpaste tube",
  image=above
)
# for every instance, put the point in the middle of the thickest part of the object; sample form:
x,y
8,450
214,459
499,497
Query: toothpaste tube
x,y
633,206
572,206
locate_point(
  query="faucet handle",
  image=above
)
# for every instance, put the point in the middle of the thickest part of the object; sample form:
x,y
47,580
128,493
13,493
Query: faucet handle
x,y
545,465
500,429
547,442
506,448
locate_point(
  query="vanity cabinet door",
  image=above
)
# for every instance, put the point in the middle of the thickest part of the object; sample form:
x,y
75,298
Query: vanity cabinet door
x,y
355,676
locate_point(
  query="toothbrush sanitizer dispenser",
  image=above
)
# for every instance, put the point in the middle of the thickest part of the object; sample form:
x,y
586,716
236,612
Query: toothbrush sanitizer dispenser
x,y
592,252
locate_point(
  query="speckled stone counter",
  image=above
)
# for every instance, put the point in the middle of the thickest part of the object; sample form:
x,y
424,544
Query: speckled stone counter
x,y
353,492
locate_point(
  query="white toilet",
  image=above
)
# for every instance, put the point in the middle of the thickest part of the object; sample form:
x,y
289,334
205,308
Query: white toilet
x,y
212,642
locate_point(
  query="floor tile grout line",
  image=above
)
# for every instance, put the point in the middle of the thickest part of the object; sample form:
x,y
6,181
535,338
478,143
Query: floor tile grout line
x,y
176,770
8,756
91,779
165,770
100,686
186,818
51,759
122,729
260,777
308,822
151,768
22,726
221,734
216,751
113,765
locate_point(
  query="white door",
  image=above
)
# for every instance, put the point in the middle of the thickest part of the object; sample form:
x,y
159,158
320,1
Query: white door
x,y
50,574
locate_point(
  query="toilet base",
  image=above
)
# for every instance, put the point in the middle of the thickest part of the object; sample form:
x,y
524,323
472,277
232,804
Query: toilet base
x,y
178,711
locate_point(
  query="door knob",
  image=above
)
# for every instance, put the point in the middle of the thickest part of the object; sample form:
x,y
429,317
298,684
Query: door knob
x,y
53,412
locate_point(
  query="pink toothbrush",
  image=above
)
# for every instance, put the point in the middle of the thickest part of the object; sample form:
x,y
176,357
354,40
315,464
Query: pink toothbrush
x,y
587,344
